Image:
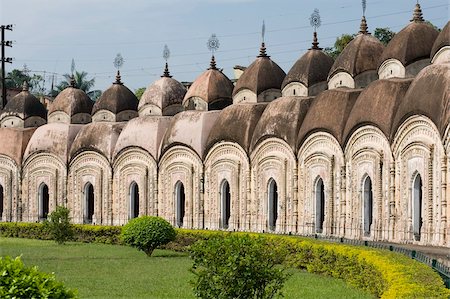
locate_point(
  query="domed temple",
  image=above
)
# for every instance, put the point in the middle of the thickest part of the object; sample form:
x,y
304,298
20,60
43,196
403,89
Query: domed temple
x,y
358,147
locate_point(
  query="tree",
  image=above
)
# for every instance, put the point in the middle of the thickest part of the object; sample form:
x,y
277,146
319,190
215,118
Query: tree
x,y
18,281
146,233
15,79
139,92
237,266
58,225
81,81
384,35
339,45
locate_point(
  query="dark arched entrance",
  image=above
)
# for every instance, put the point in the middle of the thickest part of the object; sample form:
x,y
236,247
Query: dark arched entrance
x,y
180,203
89,202
273,204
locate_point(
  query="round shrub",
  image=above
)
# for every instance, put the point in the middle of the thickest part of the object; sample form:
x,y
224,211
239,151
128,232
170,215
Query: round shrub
x,y
18,281
146,233
237,266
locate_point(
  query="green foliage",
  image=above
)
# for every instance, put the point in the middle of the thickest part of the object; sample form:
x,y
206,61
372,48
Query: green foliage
x,y
139,92
18,281
384,35
380,272
81,233
146,233
237,266
81,81
16,78
59,226
339,45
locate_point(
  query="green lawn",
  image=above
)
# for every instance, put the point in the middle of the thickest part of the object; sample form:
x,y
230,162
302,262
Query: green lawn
x,y
111,271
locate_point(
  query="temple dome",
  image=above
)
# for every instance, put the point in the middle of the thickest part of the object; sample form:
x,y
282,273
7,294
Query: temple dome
x,y
145,132
309,74
191,129
357,65
100,137
23,110
329,113
240,121
162,97
282,119
210,91
72,105
441,48
53,138
260,82
377,106
117,103
428,95
409,50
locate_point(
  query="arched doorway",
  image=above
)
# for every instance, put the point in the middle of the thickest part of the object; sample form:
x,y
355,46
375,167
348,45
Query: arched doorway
x,y
367,206
272,204
180,203
1,202
89,203
225,205
43,201
320,205
134,200
417,207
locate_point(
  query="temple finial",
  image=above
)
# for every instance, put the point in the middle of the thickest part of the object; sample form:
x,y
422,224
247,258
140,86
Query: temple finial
x,y
417,15
118,78
213,45
315,22
315,43
363,27
262,49
25,86
166,55
212,64
72,81
118,63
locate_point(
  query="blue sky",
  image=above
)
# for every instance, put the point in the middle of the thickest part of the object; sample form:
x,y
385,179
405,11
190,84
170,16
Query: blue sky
x,y
49,33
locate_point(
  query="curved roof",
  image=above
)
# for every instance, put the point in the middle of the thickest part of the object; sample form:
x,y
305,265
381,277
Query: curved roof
x,y
261,75
211,86
428,95
312,68
360,55
145,132
24,105
236,123
328,112
282,119
71,101
16,149
412,43
163,93
377,105
100,137
55,138
116,99
190,128
442,40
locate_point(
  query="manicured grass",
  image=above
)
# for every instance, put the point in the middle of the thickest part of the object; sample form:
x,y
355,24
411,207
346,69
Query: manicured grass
x,y
112,271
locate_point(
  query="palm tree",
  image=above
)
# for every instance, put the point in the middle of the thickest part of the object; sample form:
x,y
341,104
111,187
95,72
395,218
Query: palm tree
x,y
81,81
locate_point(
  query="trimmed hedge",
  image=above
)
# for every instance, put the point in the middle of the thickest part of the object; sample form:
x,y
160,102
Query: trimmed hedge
x,y
81,232
382,273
